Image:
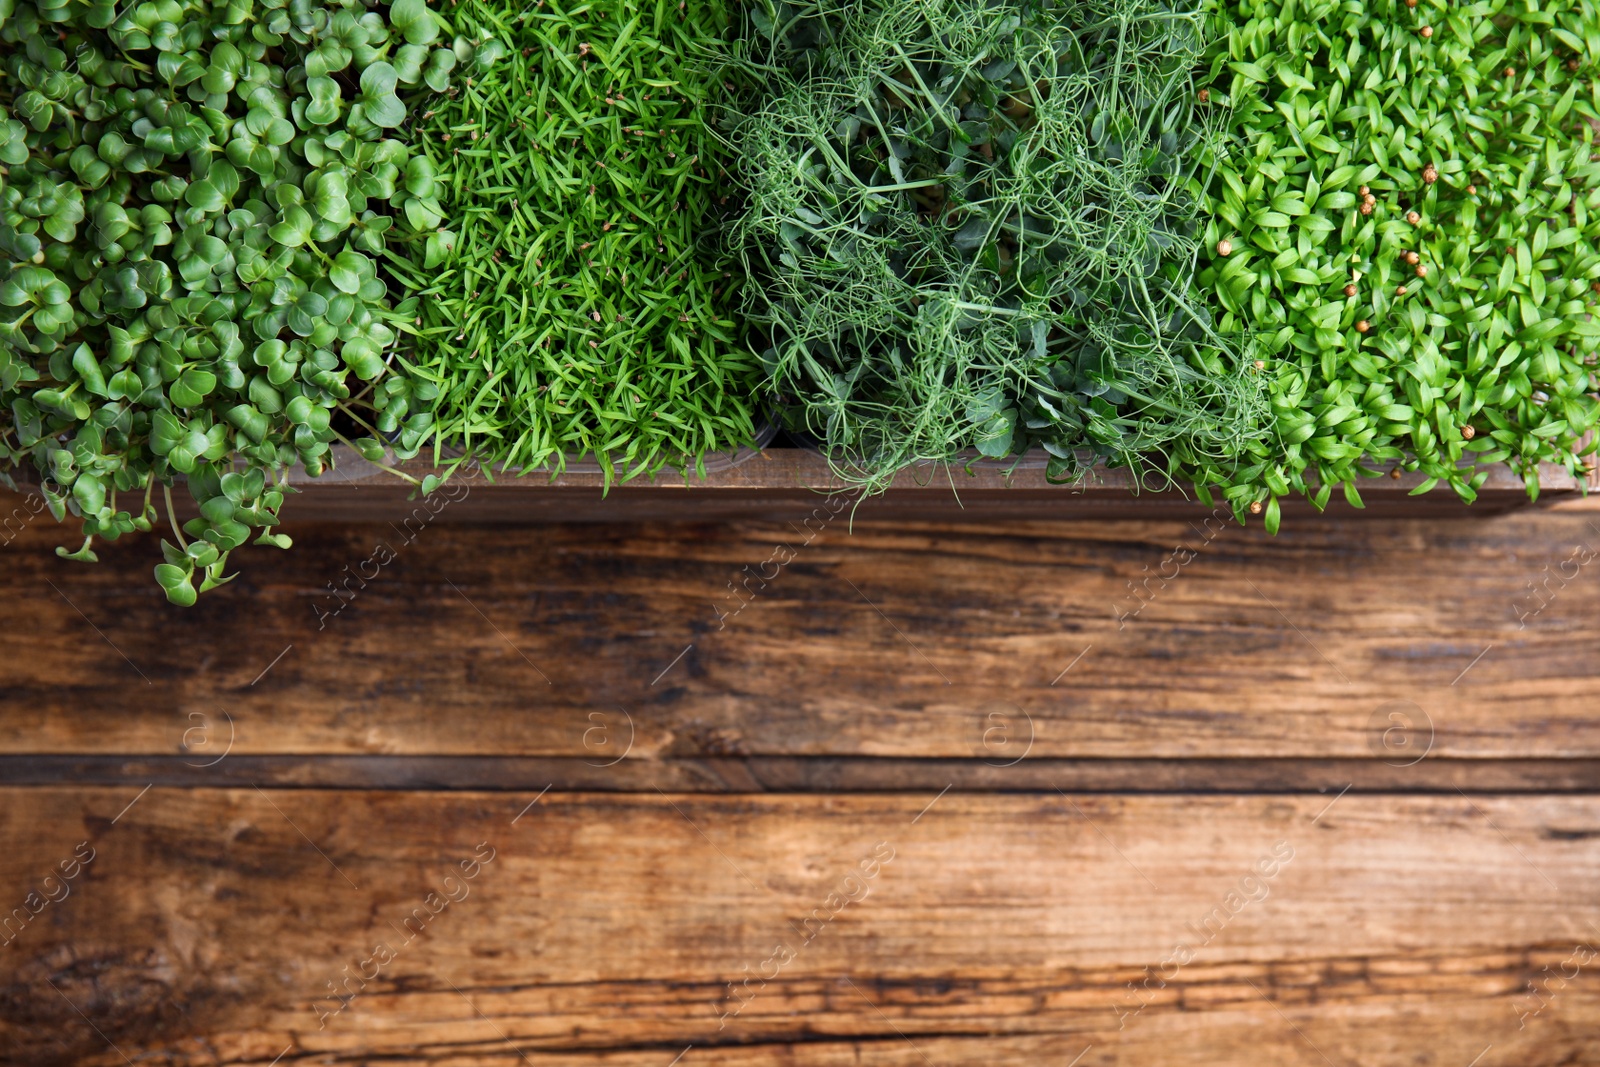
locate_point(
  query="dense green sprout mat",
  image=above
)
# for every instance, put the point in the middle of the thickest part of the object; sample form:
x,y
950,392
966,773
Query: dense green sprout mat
x,y
1410,197
1247,248
575,300
971,223
195,199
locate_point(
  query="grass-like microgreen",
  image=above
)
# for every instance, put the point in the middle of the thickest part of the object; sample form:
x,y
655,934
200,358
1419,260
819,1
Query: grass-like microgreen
x,y
576,300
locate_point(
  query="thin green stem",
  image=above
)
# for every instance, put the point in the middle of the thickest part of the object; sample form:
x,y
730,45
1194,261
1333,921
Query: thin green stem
x,y
172,516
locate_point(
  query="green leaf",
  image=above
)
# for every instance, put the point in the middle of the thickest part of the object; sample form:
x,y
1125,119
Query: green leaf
x,y
437,75
192,387
408,63
125,384
348,270
89,372
175,581
252,423
331,200
438,248
364,358
178,69
89,492
165,432
217,509
413,19
203,195
419,175
278,132
423,214
295,228
324,106
383,108
371,449
488,53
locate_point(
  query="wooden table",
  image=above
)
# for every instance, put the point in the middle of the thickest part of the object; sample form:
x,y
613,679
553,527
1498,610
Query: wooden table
x,y
926,792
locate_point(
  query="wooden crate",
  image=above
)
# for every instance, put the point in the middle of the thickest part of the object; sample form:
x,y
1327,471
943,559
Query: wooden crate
x,y
776,484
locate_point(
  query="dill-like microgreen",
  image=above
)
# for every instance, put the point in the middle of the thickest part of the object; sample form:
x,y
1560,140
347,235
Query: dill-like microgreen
x,y
972,223
575,300
1411,208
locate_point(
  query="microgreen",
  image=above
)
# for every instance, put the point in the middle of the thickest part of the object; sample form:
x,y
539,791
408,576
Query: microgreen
x,y
575,301
971,226
193,201
1412,209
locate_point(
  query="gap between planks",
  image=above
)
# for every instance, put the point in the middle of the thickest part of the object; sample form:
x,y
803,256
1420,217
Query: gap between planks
x,y
820,774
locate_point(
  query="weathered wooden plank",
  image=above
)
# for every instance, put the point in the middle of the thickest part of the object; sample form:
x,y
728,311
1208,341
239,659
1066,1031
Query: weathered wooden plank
x,y
1372,930
894,640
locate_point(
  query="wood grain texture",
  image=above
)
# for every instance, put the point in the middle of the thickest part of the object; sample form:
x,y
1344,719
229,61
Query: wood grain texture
x,y
605,929
1367,684
891,640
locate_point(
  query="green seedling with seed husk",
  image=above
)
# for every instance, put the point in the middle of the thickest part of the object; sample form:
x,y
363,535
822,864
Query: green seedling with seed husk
x,y
1406,215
